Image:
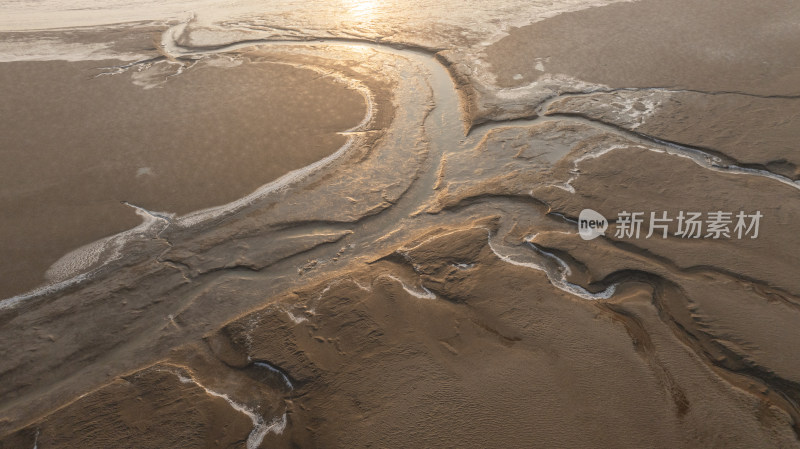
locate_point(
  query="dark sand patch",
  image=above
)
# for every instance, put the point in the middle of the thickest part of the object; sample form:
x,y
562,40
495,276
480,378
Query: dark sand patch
x,y
74,147
759,132
717,45
149,409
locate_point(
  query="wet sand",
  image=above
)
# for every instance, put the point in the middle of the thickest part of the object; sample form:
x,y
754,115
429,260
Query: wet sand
x,y
720,46
430,288
75,146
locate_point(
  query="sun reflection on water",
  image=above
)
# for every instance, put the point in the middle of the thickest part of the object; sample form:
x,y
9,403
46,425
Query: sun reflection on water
x,y
362,10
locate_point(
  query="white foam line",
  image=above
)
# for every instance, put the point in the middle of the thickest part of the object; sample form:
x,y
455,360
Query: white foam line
x,y
362,287
169,40
557,280
295,319
518,263
569,286
165,216
276,371
67,269
699,157
12,302
714,163
297,175
425,294
173,33
117,241
705,160
54,49
260,429
315,301
276,426
592,155
281,183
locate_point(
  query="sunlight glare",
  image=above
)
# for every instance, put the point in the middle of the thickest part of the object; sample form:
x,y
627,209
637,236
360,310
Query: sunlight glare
x,y
362,10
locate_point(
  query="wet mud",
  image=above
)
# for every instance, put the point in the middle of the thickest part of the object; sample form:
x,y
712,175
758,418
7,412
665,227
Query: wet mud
x,y
427,284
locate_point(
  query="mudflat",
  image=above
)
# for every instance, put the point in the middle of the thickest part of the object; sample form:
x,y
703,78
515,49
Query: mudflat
x,y
78,141
556,224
